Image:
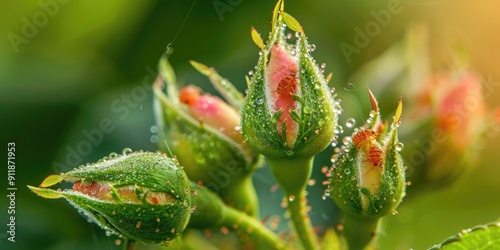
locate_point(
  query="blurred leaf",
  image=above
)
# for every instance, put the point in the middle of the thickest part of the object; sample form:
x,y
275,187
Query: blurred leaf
x,y
479,237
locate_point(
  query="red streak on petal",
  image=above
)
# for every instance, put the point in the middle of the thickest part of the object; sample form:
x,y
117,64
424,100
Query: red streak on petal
x,y
282,76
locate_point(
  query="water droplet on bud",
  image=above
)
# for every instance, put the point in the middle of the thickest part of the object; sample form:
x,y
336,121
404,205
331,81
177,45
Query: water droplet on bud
x,y
400,146
291,198
126,151
350,122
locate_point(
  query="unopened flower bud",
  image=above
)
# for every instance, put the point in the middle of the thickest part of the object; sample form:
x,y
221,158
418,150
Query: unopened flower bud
x,y
367,177
138,196
204,133
289,110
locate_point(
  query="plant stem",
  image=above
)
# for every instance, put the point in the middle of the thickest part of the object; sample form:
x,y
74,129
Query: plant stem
x,y
360,231
241,195
258,234
211,212
292,176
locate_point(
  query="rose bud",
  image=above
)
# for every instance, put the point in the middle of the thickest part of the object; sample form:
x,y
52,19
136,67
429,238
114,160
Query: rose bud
x,y
203,132
367,179
447,109
289,111
289,114
138,196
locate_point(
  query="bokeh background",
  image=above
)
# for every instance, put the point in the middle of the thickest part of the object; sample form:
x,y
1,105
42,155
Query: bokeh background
x,y
68,66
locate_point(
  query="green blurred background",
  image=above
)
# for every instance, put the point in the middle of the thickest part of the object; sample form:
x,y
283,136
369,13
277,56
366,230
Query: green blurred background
x,y
66,67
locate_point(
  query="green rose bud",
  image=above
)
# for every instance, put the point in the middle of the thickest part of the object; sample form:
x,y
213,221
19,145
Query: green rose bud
x,y
289,110
204,133
289,114
138,196
367,179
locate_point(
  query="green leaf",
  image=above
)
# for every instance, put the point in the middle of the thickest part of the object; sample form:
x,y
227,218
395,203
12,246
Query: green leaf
x,y
295,116
46,193
291,22
221,84
280,6
479,237
51,180
167,73
257,39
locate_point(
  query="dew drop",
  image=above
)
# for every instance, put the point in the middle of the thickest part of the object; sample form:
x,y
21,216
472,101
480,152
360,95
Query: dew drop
x,y
334,158
311,182
259,101
339,129
153,129
312,47
307,110
347,171
298,34
323,65
109,233
324,169
372,114
112,155
126,151
350,122
291,198
346,140
400,146
335,140
250,72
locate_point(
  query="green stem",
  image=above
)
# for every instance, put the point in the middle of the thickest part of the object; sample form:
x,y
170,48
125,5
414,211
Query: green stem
x,y
292,175
258,234
211,212
241,195
360,231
